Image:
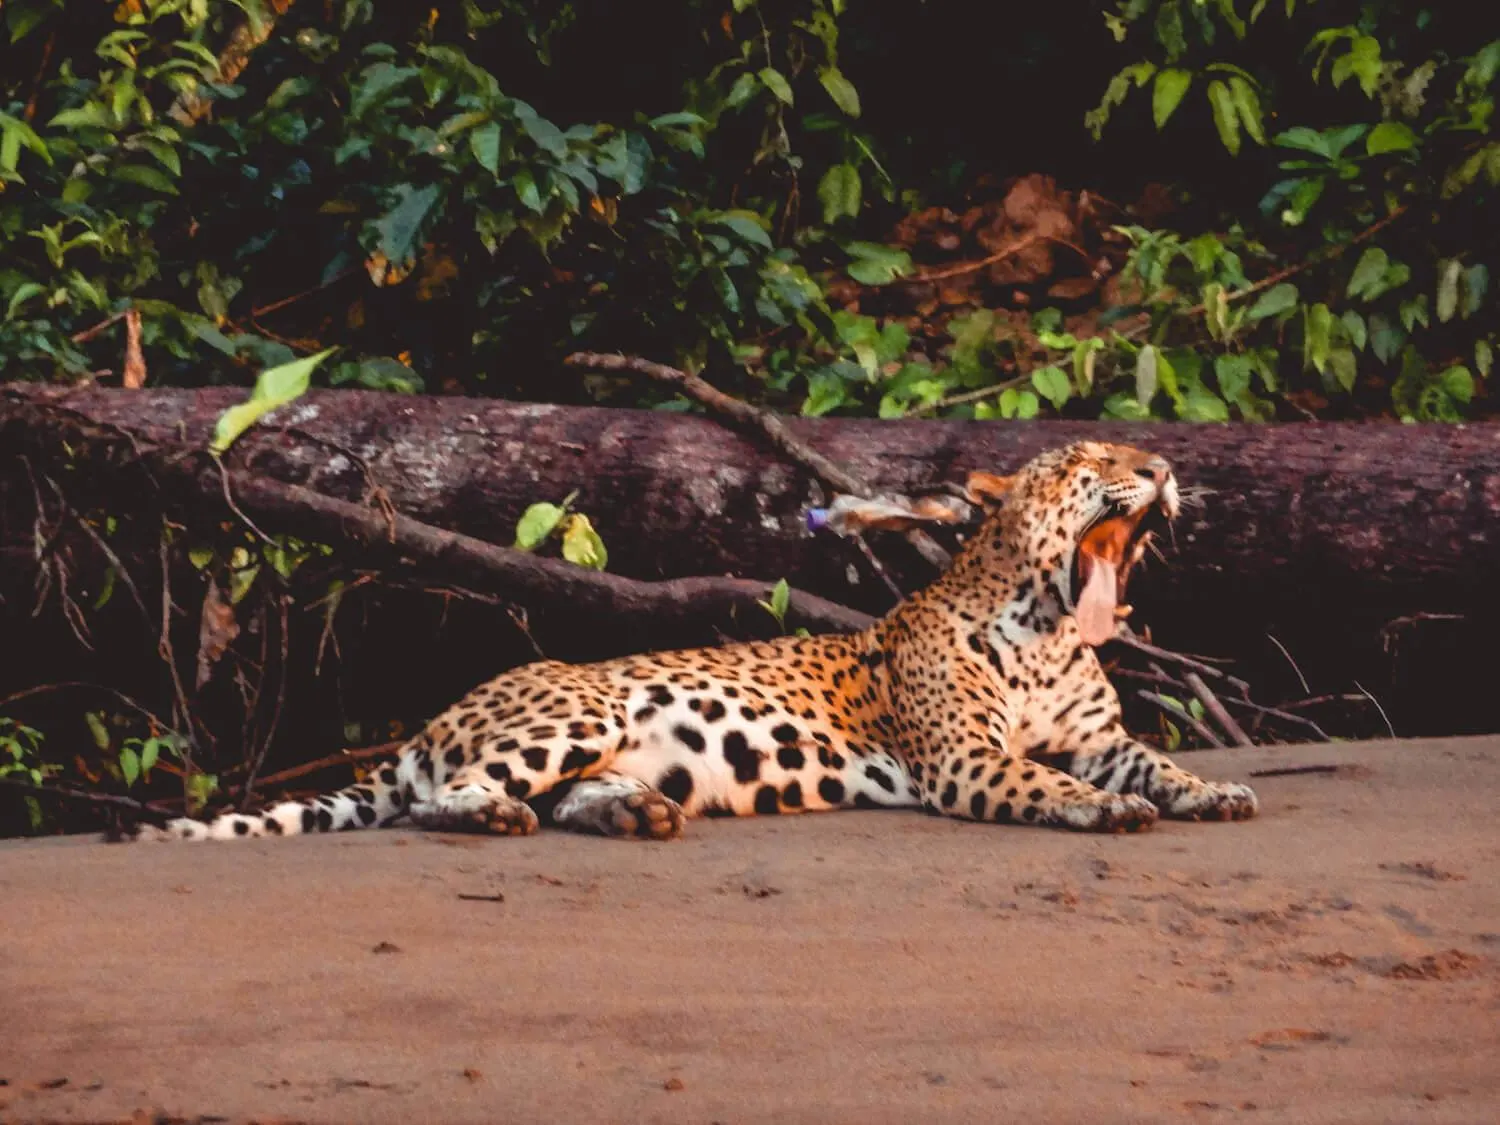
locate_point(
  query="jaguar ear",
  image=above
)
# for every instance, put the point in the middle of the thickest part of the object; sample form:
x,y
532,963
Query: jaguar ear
x,y
987,489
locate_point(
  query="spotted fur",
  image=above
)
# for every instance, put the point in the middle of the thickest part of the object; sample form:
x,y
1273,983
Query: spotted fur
x,y
975,698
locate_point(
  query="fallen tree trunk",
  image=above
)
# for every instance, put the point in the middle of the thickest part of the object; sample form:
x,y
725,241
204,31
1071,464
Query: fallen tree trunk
x,y
1404,513
1320,533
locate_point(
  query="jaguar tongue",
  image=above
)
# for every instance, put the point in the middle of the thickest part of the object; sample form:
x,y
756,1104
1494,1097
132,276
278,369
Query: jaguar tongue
x,y
1101,555
1095,611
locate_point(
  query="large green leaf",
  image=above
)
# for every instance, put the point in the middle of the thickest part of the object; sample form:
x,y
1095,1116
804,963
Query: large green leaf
x,y
839,193
274,387
840,89
398,228
1226,115
1167,93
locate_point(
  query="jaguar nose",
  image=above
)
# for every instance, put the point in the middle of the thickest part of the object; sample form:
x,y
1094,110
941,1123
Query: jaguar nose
x,y
1157,471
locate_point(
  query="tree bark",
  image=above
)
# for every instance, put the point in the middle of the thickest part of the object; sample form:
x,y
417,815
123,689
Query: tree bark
x,y
1319,534
1406,514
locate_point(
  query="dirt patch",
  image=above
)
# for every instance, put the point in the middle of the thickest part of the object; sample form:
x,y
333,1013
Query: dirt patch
x,y
871,967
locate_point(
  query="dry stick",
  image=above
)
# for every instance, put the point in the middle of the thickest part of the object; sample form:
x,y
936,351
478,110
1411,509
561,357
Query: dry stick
x,y
1292,771
1180,713
1300,677
343,757
969,267
68,793
1130,640
1391,729
1283,715
1216,710
766,422
248,793
473,562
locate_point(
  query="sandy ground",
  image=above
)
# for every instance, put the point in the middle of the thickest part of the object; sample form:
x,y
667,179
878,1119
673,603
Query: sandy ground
x,y
1333,961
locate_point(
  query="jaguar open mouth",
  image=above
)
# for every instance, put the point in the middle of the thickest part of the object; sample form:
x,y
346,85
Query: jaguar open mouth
x,y
1111,546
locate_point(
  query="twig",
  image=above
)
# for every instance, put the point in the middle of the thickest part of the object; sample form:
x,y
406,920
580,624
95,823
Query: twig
x,y
1300,677
1179,712
1289,272
1130,640
981,393
265,743
69,685
1292,771
29,113
143,809
184,712
1392,629
88,334
768,423
1216,710
1319,700
262,310
497,897
1284,715
343,757
969,267
1391,729
233,507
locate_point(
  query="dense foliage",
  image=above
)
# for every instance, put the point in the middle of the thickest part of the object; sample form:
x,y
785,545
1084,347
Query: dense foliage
x,y
457,195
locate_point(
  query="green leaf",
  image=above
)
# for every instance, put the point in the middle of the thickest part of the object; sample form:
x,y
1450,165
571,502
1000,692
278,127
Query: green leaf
x,y
581,544
1317,334
1306,193
1201,405
1226,115
23,293
1247,104
678,120
1052,383
536,524
1126,408
485,143
1274,301
1145,375
150,752
1390,136
840,89
776,82
1027,405
1362,63
1473,285
1447,289
145,176
875,264
1344,366
1368,274
1354,328
781,598
1457,383
1233,375
547,136
1167,93
398,228
130,765
97,730
748,225
1484,358
274,387
742,91
839,192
